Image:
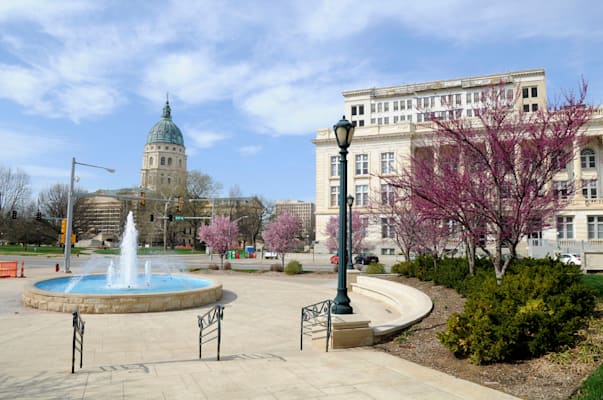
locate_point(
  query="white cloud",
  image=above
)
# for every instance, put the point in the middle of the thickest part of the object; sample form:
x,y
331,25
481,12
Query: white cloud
x,y
193,78
291,110
17,146
249,150
204,139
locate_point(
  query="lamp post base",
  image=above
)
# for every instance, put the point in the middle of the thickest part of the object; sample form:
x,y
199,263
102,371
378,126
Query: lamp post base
x,y
341,303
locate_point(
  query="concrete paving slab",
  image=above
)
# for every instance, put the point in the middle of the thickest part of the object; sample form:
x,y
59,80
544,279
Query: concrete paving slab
x,y
155,355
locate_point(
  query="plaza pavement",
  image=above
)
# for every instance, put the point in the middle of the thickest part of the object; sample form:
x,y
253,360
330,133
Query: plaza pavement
x,y
155,355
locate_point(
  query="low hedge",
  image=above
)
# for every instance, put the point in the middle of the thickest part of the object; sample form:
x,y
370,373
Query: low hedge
x,y
538,308
293,267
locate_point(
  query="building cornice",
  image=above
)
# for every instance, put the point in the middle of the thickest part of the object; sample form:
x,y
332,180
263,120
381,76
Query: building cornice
x,y
477,81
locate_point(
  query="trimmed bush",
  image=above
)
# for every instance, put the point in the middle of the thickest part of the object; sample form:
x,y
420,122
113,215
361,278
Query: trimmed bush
x,y
293,267
538,308
402,268
276,268
375,268
227,265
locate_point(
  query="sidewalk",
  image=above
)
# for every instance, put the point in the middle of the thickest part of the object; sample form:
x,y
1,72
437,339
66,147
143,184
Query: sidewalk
x,y
155,355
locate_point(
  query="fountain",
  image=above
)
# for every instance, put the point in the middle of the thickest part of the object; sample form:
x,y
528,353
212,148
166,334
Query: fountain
x,y
121,289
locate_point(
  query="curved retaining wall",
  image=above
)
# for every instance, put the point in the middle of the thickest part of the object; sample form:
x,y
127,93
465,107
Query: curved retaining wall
x,y
120,303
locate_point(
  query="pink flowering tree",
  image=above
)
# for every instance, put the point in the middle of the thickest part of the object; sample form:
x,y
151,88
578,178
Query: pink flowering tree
x,y
219,235
358,233
281,235
494,175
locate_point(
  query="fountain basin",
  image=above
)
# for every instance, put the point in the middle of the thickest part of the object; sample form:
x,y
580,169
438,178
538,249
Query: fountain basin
x,y
194,292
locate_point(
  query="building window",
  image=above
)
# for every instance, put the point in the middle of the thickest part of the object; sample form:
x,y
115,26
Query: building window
x,y
162,160
387,163
534,107
565,227
595,227
387,228
587,158
476,97
353,110
385,120
525,92
379,107
334,166
388,252
409,104
361,109
534,91
396,105
561,189
361,164
361,122
373,121
589,188
361,195
379,121
151,162
386,106
169,161
469,112
372,107
526,108
457,99
334,195
395,119
387,195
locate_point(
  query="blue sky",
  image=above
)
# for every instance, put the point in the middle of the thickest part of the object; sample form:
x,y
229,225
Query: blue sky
x,y
249,82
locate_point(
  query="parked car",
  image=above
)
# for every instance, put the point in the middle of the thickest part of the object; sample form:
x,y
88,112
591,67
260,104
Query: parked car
x,y
270,255
570,259
365,259
335,259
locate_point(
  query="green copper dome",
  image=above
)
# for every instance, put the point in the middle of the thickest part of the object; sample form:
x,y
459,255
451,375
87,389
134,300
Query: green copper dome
x,y
165,131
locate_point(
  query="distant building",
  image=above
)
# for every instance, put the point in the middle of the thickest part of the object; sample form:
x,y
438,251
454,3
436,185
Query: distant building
x,y
392,124
302,210
164,156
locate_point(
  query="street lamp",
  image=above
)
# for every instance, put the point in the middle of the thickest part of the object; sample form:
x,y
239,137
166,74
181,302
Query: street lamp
x,y
351,243
344,131
68,229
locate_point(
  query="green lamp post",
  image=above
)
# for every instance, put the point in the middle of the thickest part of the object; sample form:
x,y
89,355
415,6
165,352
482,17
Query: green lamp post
x,y
350,241
344,131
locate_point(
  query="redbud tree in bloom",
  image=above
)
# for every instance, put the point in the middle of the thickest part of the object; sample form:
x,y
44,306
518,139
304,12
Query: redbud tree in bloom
x,y
281,235
219,235
358,233
494,175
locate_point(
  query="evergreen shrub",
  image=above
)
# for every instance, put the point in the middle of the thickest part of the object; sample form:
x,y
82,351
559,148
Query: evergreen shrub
x,y
538,308
375,268
293,267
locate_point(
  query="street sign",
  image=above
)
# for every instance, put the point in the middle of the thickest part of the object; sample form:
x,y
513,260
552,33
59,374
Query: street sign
x,y
178,218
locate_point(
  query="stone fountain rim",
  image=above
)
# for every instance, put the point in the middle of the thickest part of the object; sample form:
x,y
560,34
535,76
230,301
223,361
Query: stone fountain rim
x,y
121,302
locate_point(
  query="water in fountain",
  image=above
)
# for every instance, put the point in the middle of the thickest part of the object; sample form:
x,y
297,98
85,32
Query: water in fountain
x,y
127,275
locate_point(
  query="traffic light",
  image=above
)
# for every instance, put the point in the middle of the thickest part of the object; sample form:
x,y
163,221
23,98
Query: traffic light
x,y
38,216
64,225
152,217
142,199
14,214
179,204
170,217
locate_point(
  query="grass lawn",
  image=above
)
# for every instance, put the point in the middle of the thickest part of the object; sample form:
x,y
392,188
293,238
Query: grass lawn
x,y
31,250
592,388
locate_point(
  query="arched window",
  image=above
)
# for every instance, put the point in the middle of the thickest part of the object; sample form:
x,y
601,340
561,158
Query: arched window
x,y
587,158
170,161
169,180
162,160
180,163
150,161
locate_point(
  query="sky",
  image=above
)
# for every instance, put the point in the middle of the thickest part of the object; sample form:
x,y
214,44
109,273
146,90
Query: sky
x,y
250,82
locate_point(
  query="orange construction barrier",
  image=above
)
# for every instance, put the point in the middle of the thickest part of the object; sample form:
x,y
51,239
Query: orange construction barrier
x,y
8,269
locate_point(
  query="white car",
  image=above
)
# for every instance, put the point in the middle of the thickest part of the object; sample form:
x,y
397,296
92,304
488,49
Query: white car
x,y
270,255
570,259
